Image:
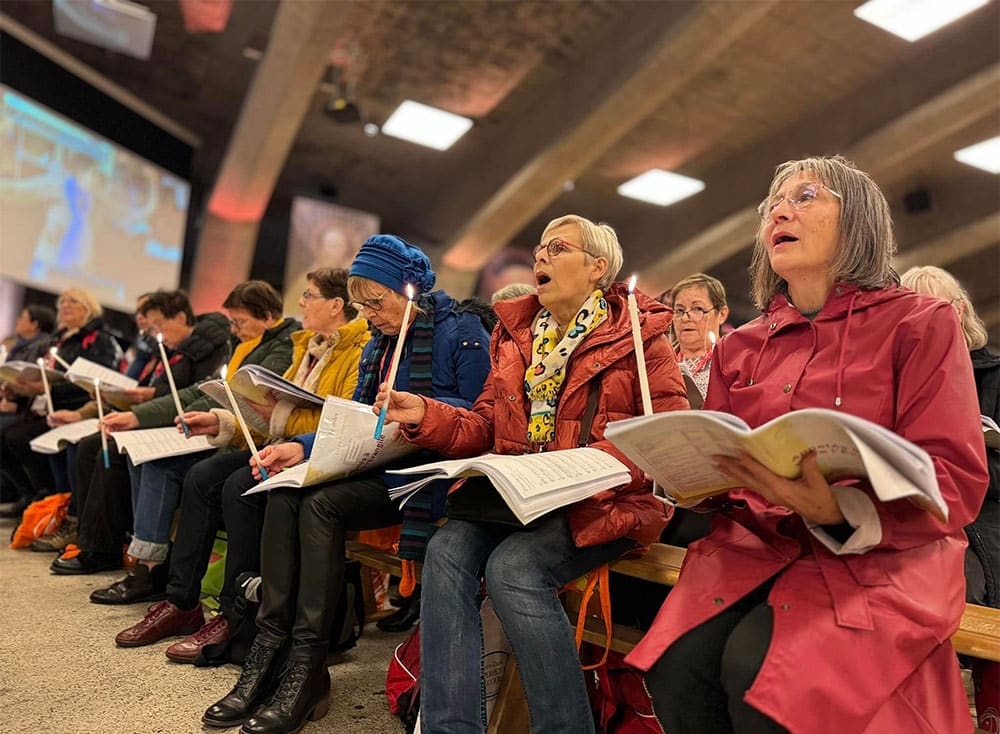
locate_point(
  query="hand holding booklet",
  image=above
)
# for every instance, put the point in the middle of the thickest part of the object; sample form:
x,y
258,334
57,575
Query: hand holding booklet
x,y
343,446
54,441
531,484
676,450
14,370
255,384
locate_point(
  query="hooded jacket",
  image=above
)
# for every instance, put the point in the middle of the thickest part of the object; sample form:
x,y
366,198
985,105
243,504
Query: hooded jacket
x,y
498,422
861,638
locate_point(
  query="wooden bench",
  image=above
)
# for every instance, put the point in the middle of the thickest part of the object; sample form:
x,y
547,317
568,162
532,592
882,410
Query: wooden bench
x,y
978,635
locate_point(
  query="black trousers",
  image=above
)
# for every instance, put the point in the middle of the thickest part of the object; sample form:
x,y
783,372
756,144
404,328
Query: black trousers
x,y
303,557
29,471
103,498
697,686
212,496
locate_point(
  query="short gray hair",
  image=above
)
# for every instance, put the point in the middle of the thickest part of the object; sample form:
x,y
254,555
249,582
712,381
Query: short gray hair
x,y
867,243
599,240
937,282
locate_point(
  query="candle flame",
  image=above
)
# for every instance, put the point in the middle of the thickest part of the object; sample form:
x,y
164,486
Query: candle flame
x,y
222,372
631,283
711,337
409,291
159,337
53,351
97,383
40,362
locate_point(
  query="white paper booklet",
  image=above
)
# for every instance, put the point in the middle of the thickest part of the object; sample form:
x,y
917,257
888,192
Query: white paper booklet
x,y
343,446
675,449
11,371
531,484
54,441
991,432
83,372
255,384
149,444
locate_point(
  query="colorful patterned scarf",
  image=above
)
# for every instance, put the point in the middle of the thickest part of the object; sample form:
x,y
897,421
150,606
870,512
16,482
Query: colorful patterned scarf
x,y
544,377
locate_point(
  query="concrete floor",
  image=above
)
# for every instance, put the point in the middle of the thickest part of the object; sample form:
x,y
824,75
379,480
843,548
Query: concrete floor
x,y
60,672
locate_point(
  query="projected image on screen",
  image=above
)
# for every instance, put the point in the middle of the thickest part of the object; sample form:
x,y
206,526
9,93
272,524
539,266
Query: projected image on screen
x,y
77,210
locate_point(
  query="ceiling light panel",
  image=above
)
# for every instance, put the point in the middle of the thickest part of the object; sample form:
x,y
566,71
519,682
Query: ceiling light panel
x,y
984,155
424,125
914,19
660,187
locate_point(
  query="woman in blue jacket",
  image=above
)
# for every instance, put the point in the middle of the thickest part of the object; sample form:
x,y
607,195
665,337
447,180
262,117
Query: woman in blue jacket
x,y
446,357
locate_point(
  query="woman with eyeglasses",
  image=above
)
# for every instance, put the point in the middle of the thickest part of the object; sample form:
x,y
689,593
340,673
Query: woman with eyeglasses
x,y
254,309
285,680
553,354
982,558
81,333
815,606
699,303
325,361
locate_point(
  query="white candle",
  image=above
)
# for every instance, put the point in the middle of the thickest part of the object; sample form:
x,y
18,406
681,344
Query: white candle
x,y
54,351
390,379
640,352
45,384
170,379
243,425
100,420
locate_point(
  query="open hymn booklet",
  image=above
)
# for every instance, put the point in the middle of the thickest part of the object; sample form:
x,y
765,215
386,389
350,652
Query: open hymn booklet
x,y
255,384
343,446
531,484
149,444
54,441
676,450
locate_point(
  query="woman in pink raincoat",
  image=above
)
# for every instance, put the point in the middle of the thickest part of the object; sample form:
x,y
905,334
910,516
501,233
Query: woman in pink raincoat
x,y
810,607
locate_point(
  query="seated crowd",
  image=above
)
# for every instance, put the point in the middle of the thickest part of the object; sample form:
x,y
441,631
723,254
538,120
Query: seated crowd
x,y
780,577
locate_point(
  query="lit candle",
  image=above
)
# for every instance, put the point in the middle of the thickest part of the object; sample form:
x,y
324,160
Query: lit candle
x,y
243,425
45,384
100,419
390,380
3,353
173,387
640,352
54,352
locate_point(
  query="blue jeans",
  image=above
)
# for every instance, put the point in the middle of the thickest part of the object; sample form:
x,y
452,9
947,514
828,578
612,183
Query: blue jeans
x,y
156,491
524,571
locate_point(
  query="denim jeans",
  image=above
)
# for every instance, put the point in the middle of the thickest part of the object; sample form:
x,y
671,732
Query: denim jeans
x,y
156,490
524,570
213,496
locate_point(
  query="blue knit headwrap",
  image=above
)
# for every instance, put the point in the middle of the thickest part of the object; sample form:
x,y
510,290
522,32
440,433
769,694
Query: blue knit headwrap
x,y
391,261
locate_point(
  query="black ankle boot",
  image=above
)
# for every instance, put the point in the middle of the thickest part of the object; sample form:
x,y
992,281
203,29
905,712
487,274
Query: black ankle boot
x,y
256,682
302,694
405,617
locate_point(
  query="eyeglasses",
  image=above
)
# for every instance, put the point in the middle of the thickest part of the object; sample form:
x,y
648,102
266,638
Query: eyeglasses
x,y
800,197
238,323
695,314
555,247
371,304
68,301
309,295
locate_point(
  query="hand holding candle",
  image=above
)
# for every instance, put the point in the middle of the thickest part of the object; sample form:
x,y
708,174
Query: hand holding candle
x,y
45,385
640,352
100,418
173,387
54,353
390,380
243,425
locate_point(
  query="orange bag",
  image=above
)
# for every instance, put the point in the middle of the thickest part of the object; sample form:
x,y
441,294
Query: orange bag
x,y
40,518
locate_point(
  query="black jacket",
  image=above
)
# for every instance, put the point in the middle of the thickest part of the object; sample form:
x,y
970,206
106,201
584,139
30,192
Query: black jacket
x,y
198,356
984,532
91,342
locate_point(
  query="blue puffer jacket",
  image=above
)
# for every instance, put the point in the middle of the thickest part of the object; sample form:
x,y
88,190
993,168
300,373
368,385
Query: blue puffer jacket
x,y
461,362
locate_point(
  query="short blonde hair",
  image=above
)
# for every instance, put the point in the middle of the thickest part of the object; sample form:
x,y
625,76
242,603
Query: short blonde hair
x,y
866,240
85,299
937,282
716,291
598,240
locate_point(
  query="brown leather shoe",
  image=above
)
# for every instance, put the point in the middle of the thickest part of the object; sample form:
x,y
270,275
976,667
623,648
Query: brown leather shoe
x,y
163,619
214,632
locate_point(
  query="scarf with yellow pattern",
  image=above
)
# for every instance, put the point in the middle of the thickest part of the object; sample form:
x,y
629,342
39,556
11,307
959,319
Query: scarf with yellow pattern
x,y
544,377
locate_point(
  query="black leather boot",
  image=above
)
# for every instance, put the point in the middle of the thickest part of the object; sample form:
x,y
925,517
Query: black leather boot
x,y
302,694
405,617
256,682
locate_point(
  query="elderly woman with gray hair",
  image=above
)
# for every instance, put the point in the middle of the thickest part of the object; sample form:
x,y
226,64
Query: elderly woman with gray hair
x,y
815,605
552,353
